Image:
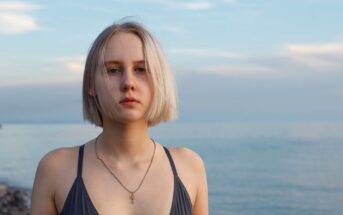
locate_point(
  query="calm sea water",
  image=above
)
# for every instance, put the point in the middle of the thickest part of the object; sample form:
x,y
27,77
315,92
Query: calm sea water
x,y
255,168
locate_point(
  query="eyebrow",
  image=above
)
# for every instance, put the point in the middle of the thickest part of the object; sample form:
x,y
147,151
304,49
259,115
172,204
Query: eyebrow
x,y
119,62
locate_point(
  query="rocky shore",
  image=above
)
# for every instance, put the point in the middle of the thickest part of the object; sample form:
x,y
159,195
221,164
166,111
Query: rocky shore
x,y
14,201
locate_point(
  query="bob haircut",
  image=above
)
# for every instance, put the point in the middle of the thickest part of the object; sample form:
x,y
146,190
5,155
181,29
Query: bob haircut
x,y
163,106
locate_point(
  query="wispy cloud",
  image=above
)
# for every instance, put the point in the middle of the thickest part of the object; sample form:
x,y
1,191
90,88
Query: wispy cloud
x,y
294,60
329,48
206,53
45,81
14,18
195,5
17,6
317,56
238,70
11,23
230,1
73,64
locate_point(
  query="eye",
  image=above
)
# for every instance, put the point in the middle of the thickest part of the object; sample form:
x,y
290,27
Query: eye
x,y
140,69
113,70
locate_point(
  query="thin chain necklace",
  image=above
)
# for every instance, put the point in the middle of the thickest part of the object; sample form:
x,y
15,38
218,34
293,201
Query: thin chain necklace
x,y
132,193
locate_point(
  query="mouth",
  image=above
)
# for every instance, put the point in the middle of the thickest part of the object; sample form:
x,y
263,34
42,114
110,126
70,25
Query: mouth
x,y
129,100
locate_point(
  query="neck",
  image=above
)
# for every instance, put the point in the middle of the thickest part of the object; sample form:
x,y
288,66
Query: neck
x,y
125,142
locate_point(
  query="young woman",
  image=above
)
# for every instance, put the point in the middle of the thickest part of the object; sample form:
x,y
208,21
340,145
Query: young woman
x,y
127,87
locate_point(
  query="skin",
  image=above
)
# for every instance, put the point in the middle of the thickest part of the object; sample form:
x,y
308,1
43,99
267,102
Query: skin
x,y
126,148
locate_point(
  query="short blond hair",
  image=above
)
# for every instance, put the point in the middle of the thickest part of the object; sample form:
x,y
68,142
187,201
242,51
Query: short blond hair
x,y
164,102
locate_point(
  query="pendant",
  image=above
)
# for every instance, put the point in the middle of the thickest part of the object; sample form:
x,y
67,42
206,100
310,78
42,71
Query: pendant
x,y
132,197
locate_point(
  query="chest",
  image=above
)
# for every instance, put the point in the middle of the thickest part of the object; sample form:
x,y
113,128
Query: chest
x,y
155,195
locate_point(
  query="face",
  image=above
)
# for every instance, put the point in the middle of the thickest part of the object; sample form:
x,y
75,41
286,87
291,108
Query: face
x,y
127,79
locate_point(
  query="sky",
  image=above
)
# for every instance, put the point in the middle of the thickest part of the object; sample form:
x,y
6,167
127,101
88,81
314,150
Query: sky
x,y
234,60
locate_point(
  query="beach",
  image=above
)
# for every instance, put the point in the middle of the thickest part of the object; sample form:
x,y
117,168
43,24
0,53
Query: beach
x,y
14,201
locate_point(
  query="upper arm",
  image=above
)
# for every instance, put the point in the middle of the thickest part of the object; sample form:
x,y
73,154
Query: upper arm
x,y
201,200
42,197
200,206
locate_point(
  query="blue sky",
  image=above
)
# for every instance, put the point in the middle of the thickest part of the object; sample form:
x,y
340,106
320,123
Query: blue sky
x,y
234,60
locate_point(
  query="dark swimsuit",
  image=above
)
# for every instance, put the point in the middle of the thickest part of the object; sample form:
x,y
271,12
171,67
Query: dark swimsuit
x,y
78,201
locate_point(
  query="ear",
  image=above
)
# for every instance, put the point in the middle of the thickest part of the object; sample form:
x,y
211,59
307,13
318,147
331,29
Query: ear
x,y
91,92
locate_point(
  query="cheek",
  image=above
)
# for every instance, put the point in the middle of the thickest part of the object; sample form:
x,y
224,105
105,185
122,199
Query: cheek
x,y
148,90
149,85
109,105
106,84
106,93
150,97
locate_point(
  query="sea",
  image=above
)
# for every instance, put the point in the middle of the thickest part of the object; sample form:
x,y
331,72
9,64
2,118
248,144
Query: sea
x,y
253,168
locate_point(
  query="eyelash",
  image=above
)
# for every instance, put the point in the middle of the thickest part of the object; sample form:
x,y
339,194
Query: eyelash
x,y
141,70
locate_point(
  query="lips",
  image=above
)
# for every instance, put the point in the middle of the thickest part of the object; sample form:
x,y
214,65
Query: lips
x,y
129,99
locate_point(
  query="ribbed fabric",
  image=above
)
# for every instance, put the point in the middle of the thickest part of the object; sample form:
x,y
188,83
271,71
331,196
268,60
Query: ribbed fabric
x,y
78,201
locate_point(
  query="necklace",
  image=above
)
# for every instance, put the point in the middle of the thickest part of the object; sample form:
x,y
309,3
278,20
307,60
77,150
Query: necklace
x,y
132,193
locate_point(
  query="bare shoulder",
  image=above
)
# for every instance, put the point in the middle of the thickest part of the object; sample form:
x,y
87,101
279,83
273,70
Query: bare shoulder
x,y
51,171
191,168
57,159
57,165
187,156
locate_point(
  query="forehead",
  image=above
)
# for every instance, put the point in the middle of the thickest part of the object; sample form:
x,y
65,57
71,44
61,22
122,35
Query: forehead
x,y
124,46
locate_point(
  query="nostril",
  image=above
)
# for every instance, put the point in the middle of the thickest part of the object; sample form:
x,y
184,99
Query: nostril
x,y
128,86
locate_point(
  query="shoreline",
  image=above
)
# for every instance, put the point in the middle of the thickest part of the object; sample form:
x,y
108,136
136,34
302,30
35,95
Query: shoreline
x,y
14,200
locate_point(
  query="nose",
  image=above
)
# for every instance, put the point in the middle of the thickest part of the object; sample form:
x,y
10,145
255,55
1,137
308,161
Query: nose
x,y
127,81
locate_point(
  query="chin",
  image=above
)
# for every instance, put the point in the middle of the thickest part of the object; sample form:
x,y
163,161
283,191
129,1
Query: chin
x,y
129,119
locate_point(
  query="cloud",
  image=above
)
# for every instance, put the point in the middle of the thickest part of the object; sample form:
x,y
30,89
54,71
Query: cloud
x,y
330,48
42,81
42,70
294,60
230,1
17,6
206,53
240,64
240,70
11,23
74,64
13,17
317,56
195,5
